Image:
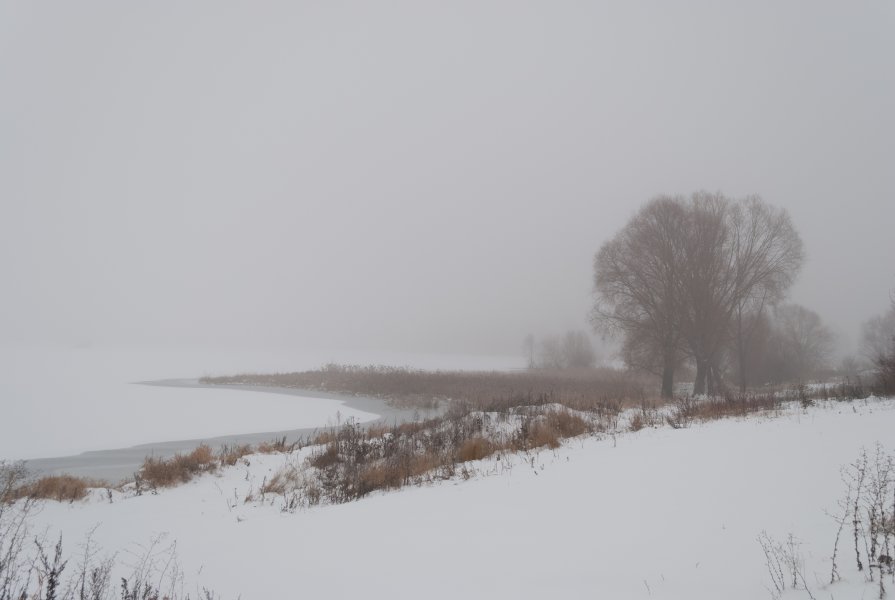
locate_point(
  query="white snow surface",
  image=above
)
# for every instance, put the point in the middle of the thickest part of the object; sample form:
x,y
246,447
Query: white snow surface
x,y
660,513
62,401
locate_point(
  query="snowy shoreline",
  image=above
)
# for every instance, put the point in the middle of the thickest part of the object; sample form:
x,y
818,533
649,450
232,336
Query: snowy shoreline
x,y
62,402
116,464
657,513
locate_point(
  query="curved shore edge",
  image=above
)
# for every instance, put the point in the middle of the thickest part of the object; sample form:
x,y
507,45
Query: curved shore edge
x,y
117,464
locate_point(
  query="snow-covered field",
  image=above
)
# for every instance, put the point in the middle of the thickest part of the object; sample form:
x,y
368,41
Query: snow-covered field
x,y
63,401
660,513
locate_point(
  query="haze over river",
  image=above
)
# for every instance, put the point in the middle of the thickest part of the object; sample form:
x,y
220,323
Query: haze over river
x,y
58,401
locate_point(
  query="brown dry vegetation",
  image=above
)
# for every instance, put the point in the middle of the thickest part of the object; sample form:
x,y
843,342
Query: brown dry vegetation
x,y
273,446
350,462
353,461
180,468
16,483
401,386
475,448
688,409
229,455
280,482
62,488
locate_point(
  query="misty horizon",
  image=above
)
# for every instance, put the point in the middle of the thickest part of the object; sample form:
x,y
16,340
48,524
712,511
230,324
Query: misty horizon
x,y
322,177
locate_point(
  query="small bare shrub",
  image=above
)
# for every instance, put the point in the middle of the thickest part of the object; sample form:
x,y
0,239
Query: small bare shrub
x,y
13,476
229,455
46,575
327,458
869,504
784,563
15,569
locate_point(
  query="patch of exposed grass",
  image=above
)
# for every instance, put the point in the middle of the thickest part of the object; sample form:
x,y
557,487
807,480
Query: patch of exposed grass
x,y
229,454
475,448
180,468
543,434
567,424
62,488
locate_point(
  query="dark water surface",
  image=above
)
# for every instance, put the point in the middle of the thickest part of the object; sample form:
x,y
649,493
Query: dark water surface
x,y
121,463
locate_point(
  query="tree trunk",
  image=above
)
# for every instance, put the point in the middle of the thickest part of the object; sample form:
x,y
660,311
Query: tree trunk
x,y
668,379
699,384
741,350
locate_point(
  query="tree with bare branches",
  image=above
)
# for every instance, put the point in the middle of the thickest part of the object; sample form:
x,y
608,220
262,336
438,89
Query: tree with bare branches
x,y
802,343
636,278
877,335
884,350
684,276
742,255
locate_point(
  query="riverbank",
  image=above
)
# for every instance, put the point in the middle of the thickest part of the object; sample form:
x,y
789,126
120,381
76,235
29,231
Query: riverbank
x,y
58,401
577,520
117,464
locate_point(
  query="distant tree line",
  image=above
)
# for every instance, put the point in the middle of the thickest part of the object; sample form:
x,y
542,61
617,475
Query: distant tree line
x,y
789,343
878,348
573,350
698,281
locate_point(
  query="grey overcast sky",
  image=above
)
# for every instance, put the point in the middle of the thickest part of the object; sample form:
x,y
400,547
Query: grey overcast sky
x,y
416,175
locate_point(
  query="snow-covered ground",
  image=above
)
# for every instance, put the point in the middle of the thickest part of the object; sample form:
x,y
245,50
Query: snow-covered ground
x,y
660,513
63,401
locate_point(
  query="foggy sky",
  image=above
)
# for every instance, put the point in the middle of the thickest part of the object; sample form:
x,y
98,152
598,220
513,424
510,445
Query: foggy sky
x,y
413,175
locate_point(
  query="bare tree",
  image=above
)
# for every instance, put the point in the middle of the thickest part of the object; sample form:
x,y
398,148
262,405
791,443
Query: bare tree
x,y
685,274
550,354
578,351
753,333
741,256
802,343
885,360
571,351
877,335
636,281
528,348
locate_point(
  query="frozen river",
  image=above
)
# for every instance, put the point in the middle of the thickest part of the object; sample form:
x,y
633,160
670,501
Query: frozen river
x,y
304,406
64,402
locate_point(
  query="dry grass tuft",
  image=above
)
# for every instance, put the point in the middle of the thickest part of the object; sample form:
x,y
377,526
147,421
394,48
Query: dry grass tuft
x,y
379,477
62,488
475,448
567,424
180,468
274,446
281,481
542,434
229,455
328,458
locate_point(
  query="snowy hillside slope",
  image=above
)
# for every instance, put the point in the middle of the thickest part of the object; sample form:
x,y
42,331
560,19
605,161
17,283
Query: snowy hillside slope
x,y
660,513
